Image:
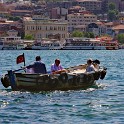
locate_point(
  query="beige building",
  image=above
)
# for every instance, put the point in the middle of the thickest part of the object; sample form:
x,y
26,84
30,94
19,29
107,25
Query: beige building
x,y
45,28
77,19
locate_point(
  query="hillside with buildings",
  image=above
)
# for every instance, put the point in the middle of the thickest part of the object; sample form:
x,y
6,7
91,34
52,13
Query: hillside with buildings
x,y
59,19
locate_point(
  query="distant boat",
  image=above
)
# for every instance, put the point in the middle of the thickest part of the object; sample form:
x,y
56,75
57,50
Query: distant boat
x,y
88,44
14,47
51,44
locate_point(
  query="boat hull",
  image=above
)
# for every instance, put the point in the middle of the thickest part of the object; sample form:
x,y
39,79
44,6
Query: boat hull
x,y
50,82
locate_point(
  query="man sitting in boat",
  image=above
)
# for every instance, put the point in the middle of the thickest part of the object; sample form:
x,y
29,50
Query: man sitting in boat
x,y
56,67
96,64
90,66
38,66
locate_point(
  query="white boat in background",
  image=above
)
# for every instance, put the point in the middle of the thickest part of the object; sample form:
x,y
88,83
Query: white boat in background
x,y
21,46
50,44
83,44
6,46
9,47
12,41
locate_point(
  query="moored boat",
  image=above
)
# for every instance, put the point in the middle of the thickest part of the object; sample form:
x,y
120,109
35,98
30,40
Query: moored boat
x,y
89,44
47,44
74,78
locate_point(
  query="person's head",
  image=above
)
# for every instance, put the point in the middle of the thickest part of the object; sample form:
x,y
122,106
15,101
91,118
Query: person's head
x,y
89,61
96,61
38,58
57,62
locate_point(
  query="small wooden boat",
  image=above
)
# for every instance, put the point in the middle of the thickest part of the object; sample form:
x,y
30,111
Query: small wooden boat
x,y
74,78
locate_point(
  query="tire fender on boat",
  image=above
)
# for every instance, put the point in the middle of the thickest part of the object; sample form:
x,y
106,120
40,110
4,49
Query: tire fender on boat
x,y
76,79
88,77
53,82
103,73
96,75
5,81
40,79
63,77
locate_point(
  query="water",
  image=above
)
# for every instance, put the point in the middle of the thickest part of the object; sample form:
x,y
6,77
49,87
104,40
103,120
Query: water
x,y
103,105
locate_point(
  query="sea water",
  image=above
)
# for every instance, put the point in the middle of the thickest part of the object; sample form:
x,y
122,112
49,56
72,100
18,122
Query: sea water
x,y
101,105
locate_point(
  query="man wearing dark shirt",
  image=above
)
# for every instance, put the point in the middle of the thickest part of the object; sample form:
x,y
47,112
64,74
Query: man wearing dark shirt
x,y
38,66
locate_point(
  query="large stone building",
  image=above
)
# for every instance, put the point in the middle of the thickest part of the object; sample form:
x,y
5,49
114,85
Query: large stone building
x,y
77,19
45,28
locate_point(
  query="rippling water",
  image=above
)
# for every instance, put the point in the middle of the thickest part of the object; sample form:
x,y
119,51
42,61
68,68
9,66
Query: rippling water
x,y
102,105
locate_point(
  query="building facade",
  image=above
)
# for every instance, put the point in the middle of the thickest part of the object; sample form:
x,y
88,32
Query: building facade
x,y
90,5
44,28
77,19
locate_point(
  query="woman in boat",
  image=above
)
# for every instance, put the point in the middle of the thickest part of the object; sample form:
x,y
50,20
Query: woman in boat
x,y
90,66
56,67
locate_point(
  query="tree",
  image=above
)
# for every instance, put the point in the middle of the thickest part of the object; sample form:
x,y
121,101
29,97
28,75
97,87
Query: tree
x,y
77,34
16,18
112,12
89,34
111,6
112,15
29,37
120,38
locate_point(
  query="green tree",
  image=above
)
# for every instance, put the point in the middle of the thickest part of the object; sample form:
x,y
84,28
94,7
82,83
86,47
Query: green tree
x,y
86,34
112,15
91,34
14,18
111,6
120,38
112,12
29,37
77,34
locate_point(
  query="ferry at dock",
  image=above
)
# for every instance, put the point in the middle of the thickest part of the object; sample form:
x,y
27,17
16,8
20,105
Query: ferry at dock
x,y
89,44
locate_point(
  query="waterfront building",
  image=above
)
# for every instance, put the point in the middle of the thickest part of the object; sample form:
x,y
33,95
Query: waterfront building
x,y
118,29
12,37
43,28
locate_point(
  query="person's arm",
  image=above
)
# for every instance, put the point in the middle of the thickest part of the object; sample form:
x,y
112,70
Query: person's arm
x,y
30,66
61,68
52,68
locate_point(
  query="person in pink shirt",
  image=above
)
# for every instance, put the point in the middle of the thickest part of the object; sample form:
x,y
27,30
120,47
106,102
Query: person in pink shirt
x,y
56,67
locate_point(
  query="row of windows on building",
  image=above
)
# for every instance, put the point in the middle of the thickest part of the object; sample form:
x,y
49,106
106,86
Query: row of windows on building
x,y
81,21
47,35
89,3
88,17
45,28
